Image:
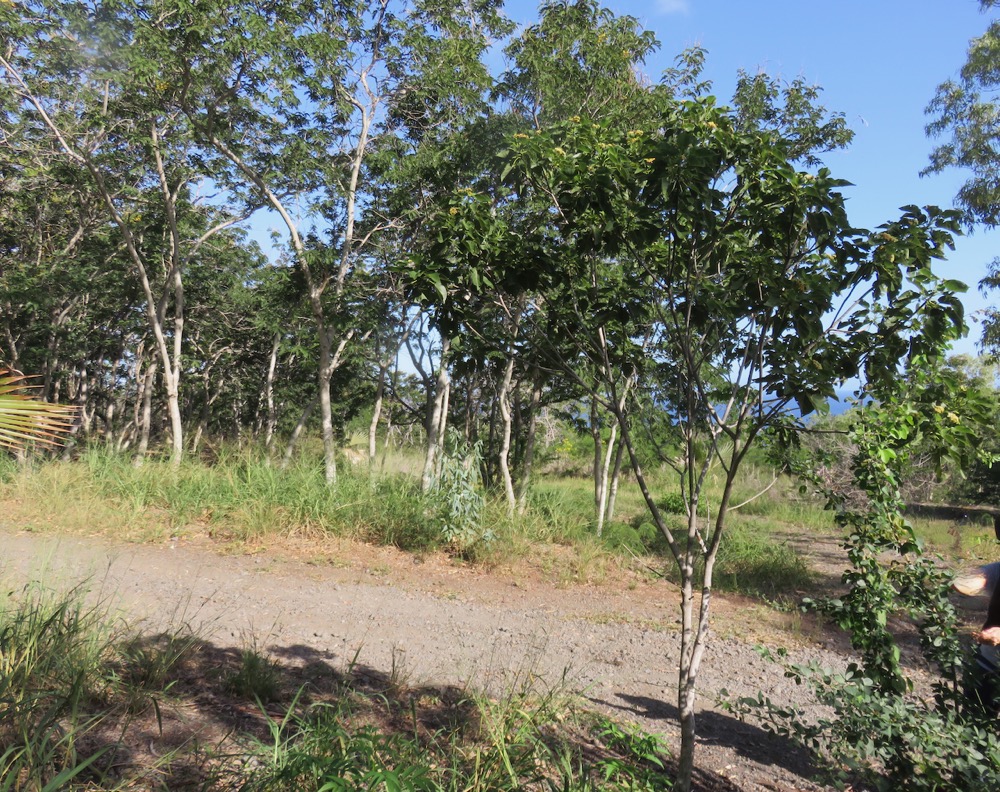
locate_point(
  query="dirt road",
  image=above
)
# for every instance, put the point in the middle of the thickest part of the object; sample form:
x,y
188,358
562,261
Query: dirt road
x,y
432,621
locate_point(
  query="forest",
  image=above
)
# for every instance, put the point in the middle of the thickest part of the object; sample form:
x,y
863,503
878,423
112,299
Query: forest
x,y
471,267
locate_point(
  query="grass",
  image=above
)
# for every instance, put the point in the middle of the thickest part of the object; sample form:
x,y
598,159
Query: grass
x,y
242,498
256,678
69,678
70,682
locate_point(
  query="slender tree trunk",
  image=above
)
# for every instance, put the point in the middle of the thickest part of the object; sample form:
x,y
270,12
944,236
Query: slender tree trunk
x,y
615,478
297,431
686,684
272,415
489,458
470,405
442,424
326,411
116,403
437,425
504,399
147,414
598,464
383,368
209,398
176,423
602,503
83,400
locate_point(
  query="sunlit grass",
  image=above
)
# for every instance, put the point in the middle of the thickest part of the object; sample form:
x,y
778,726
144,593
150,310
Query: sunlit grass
x,y
245,498
84,699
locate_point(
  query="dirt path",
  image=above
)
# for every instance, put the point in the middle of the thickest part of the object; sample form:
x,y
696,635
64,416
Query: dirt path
x,y
437,623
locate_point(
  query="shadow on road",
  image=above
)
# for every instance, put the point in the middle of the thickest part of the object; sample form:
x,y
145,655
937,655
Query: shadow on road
x,y
716,728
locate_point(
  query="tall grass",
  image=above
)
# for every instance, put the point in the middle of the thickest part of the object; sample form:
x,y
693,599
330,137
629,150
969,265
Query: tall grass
x,y
69,686
243,497
59,683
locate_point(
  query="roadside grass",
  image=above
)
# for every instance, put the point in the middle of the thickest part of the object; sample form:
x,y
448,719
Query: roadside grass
x,y
243,498
85,703
971,540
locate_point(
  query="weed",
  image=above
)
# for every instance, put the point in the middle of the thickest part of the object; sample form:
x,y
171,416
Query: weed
x,y
52,651
458,497
640,762
256,679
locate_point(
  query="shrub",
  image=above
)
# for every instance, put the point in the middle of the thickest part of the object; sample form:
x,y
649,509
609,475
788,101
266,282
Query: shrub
x,y
878,730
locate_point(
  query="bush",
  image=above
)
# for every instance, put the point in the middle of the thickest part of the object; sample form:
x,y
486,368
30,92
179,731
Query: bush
x,y
619,536
878,730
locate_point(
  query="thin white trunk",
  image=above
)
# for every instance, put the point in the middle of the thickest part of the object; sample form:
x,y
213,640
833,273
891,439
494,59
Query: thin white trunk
x,y
602,503
383,368
147,414
439,418
615,478
272,415
598,467
505,414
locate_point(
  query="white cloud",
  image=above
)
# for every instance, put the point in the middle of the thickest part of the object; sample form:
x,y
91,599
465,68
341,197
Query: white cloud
x,y
672,6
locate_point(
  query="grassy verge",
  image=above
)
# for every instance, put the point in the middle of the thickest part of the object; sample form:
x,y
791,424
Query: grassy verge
x,y
242,498
85,704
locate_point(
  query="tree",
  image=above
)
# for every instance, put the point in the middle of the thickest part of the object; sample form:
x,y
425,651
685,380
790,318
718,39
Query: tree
x,y
966,112
704,277
87,79
297,109
875,730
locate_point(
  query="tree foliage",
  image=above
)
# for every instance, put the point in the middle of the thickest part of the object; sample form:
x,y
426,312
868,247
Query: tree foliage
x,y
880,729
966,113
696,271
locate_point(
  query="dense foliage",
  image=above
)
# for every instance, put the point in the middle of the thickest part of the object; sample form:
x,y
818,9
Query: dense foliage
x,y
675,277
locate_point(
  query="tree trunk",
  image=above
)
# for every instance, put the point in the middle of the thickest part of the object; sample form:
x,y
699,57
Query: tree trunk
x,y
272,414
615,478
383,368
470,405
602,503
176,424
505,414
598,465
326,412
297,431
686,686
147,414
437,425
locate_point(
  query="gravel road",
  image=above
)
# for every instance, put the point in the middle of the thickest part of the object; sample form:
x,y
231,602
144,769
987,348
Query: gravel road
x,y
438,623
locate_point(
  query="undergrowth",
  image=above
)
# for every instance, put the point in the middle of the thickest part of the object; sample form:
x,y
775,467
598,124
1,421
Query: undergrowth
x,y
81,700
243,497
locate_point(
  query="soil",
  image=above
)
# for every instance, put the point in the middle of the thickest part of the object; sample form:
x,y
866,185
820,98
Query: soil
x,y
433,621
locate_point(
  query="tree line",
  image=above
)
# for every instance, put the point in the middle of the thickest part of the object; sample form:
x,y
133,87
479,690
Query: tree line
x,y
139,138
683,274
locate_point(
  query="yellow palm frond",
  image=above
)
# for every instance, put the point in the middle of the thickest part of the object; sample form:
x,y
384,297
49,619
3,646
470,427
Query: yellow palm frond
x,y
24,419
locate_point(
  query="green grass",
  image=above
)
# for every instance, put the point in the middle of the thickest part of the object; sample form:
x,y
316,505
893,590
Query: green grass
x,y
243,497
70,685
65,674
524,740
256,679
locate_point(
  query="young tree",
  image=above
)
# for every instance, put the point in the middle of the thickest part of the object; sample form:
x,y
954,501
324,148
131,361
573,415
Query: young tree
x,y
703,276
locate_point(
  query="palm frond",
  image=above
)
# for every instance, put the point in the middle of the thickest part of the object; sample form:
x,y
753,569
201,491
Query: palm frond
x,y
24,419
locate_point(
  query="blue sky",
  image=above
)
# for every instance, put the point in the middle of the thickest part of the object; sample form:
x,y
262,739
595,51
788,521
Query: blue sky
x,y
878,62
